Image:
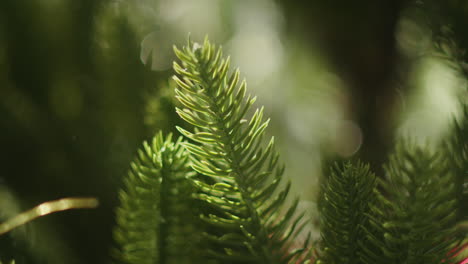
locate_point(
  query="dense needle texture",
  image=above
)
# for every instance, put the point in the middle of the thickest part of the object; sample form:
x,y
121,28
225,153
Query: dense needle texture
x,y
346,195
156,221
239,175
457,150
417,208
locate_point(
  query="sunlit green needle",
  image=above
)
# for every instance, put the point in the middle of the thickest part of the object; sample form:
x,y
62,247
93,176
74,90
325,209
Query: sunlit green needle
x,y
47,208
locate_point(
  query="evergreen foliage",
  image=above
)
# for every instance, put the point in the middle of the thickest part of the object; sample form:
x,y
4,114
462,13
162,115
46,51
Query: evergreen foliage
x,y
219,197
457,149
447,20
405,217
346,195
239,178
417,208
155,223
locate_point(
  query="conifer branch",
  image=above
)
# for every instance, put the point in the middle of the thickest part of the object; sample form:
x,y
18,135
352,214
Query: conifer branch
x,y
456,147
447,21
239,178
344,204
155,221
417,210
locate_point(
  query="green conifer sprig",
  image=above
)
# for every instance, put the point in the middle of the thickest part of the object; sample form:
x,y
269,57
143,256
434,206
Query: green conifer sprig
x,y
155,221
344,204
447,21
416,211
239,176
457,149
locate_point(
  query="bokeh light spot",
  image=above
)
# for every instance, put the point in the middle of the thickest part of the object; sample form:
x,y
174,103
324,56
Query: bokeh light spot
x,y
348,138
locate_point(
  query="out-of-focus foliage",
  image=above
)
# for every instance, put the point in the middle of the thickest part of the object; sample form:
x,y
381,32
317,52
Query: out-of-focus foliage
x,y
417,208
75,98
457,149
72,101
448,23
159,107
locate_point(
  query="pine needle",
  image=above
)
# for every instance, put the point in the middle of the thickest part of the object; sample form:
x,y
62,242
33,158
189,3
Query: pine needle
x,y
47,208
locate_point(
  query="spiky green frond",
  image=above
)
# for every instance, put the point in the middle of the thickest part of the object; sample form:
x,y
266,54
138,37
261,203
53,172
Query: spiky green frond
x,y
155,222
447,21
240,177
346,194
457,149
417,208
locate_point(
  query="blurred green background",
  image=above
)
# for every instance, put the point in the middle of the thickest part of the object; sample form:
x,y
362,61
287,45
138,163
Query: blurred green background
x,y
338,78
